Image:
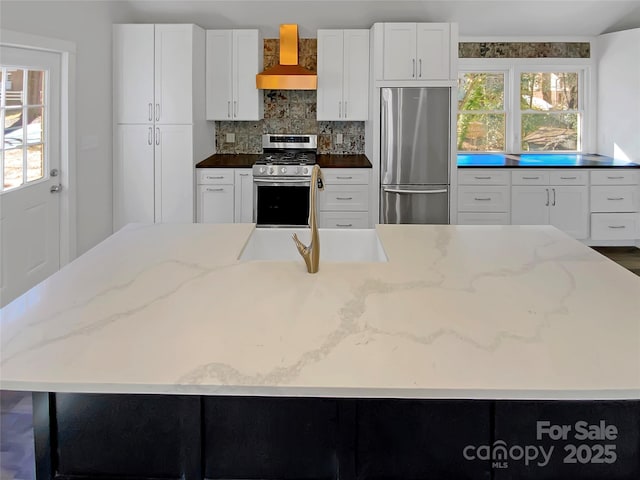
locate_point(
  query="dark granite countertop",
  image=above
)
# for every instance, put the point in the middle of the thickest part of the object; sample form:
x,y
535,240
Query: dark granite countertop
x,y
540,160
326,160
229,160
246,160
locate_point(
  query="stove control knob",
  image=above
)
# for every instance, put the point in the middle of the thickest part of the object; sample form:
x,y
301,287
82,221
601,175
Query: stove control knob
x,y
283,170
305,171
262,169
271,170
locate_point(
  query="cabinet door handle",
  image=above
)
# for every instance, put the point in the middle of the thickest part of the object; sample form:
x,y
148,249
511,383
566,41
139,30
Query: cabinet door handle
x,y
344,225
420,75
482,178
413,71
151,112
235,108
344,178
339,109
615,178
345,109
547,204
157,112
157,136
568,178
229,109
553,204
615,198
482,199
150,139
215,189
530,178
344,198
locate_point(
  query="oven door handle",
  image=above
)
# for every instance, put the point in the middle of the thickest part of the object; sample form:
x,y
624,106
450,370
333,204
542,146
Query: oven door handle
x,y
282,180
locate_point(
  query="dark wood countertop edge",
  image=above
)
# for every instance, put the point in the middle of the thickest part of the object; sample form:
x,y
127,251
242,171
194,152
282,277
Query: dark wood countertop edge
x,y
247,160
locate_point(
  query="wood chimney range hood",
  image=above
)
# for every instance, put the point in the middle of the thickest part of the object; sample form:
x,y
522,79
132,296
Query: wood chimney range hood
x,y
288,75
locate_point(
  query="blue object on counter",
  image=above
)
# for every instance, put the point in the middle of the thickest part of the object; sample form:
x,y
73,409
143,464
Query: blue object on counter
x,y
481,159
540,160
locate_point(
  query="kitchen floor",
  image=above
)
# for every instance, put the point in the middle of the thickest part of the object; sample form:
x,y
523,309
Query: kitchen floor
x,y
16,432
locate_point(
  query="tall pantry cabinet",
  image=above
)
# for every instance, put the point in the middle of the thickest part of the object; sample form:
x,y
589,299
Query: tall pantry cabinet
x,y
160,130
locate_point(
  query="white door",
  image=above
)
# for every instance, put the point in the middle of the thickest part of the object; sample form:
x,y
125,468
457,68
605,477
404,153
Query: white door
x,y
432,51
175,171
30,139
570,210
246,97
134,174
356,75
530,205
330,75
173,67
219,62
243,196
133,47
399,57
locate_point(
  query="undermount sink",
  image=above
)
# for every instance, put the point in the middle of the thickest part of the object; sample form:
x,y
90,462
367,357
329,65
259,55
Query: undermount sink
x,y
336,245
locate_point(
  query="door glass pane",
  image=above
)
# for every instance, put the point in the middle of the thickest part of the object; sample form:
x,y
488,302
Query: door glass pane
x,y
546,91
481,132
35,162
35,87
35,133
13,176
549,131
13,85
13,133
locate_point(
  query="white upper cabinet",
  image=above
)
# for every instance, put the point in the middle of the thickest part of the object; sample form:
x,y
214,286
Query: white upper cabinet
x,y
343,75
416,51
153,79
233,59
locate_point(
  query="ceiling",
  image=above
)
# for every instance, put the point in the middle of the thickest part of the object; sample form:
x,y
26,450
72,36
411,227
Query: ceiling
x,y
479,18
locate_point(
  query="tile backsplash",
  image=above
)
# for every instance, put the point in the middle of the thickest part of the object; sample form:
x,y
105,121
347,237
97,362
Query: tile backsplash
x,y
290,111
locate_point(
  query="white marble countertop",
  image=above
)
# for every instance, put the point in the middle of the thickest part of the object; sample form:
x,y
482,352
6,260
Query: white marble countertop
x,y
457,312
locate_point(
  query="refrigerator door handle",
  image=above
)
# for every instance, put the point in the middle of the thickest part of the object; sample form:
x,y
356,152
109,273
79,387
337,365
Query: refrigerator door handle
x,y
399,190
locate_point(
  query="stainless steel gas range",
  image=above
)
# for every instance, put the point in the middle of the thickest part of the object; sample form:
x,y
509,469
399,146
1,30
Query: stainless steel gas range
x,y
281,179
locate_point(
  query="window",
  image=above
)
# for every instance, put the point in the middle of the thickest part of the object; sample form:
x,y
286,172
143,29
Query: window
x,y
22,114
481,112
523,108
549,115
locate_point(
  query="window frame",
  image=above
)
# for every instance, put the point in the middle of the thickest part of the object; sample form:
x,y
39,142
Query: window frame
x,y
515,66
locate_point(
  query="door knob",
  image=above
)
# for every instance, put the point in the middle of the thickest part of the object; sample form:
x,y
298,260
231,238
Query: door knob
x,y
55,188
54,172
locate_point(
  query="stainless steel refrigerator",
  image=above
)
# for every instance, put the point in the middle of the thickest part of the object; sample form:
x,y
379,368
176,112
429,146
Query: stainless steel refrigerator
x,y
415,146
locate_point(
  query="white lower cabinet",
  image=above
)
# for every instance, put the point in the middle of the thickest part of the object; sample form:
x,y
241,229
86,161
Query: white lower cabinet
x,y
344,202
615,205
483,197
225,195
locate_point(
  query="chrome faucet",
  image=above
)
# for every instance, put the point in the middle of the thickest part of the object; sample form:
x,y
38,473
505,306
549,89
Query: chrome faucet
x,y
311,253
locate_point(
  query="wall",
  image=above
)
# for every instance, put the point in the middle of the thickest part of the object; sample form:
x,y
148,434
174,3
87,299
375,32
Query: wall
x,y
290,111
619,94
88,25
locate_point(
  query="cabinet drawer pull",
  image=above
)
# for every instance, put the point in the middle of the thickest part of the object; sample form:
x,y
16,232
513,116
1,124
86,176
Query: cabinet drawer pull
x,y
344,178
482,178
215,189
568,178
530,178
617,226
344,224
244,174
615,178
482,199
209,177
344,198
615,198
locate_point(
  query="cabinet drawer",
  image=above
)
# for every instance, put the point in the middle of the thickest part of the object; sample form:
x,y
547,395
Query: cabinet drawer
x,y
483,177
483,218
344,197
344,219
615,177
523,177
568,177
614,199
346,177
615,226
222,176
483,199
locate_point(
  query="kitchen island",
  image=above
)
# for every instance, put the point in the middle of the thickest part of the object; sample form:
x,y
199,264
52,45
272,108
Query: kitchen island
x,y
225,369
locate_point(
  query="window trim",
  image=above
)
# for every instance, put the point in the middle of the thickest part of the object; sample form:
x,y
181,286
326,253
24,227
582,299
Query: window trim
x,y
586,94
